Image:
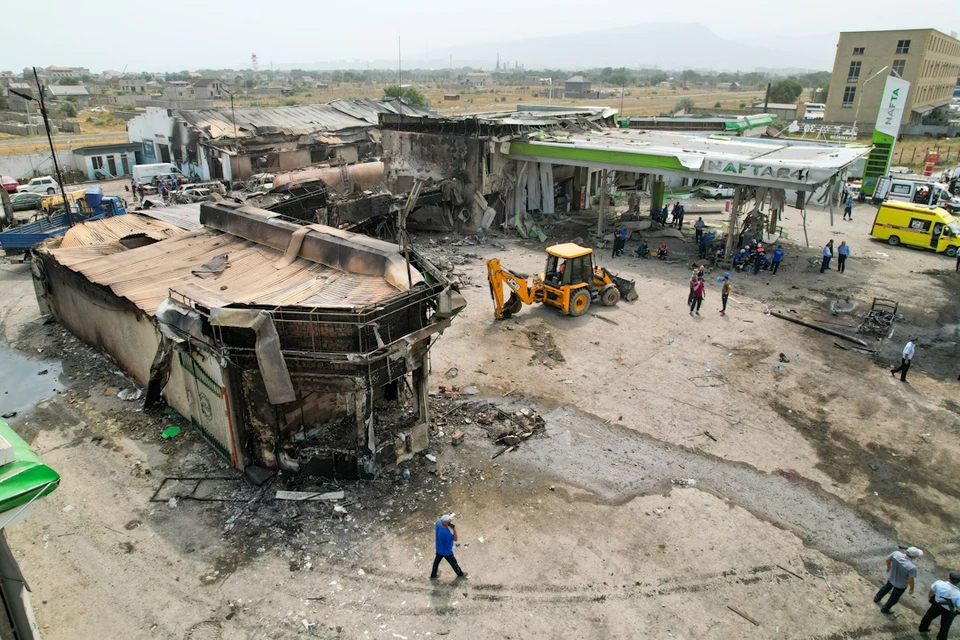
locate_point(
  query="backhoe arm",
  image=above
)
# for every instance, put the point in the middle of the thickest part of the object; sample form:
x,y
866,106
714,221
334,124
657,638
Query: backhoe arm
x,y
521,292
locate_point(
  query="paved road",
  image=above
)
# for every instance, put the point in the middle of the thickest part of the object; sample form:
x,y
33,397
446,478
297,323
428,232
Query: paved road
x,y
61,137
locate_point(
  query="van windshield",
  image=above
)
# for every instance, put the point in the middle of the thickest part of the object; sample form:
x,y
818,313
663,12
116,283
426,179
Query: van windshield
x,y
954,227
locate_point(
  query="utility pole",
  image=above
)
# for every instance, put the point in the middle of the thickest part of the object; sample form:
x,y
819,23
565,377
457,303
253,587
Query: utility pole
x,y
603,202
399,64
53,151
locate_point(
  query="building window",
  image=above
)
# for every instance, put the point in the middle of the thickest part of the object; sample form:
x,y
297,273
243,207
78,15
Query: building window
x,y
898,67
97,162
848,95
853,75
903,46
858,51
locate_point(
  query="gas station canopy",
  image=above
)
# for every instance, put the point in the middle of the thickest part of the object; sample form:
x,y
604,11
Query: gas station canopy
x,y
736,161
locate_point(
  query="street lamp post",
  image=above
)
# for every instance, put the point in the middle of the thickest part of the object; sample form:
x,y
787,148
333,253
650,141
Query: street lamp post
x,y
856,114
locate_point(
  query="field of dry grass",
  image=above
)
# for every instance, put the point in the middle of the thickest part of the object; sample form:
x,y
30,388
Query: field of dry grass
x,y
637,101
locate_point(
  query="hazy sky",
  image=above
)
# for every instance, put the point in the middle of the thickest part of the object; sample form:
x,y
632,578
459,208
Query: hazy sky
x,y
191,34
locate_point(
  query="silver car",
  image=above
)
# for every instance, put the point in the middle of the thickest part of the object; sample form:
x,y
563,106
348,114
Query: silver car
x,y
43,184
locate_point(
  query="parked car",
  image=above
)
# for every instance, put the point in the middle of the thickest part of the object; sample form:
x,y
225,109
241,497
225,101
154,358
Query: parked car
x,y
717,190
9,184
43,184
26,201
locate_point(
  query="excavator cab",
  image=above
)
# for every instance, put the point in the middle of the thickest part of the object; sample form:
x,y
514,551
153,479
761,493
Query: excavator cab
x,y
568,281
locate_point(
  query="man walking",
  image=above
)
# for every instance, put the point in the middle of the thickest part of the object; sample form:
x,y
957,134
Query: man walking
x,y
775,261
827,254
901,572
698,293
446,536
698,227
944,601
908,351
843,252
679,211
725,294
848,208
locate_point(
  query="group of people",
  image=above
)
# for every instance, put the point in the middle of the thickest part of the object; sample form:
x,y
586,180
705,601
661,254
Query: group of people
x,y
842,252
698,290
665,213
943,596
755,256
165,186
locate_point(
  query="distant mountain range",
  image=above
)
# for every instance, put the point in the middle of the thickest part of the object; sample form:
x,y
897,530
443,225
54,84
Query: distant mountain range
x,y
661,45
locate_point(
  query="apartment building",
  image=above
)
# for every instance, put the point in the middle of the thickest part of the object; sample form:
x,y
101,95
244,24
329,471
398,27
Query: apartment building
x,y
926,58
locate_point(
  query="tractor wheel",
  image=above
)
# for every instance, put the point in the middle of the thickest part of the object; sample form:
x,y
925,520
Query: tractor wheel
x,y
610,295
514,304
579,302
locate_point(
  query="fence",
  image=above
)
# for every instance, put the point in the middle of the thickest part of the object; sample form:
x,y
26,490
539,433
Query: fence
x,y
948,157
31,165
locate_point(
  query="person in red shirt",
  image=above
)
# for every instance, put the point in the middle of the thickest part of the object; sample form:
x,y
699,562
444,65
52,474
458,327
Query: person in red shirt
x,y
698,295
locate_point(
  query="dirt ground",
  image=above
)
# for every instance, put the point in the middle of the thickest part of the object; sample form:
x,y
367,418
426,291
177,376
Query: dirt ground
x,y
658,496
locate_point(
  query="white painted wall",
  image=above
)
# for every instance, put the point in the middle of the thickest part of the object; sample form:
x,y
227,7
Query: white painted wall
x,y
31,165
156,125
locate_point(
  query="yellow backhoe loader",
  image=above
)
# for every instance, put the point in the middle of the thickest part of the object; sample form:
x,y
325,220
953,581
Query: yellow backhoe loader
x,y
570,282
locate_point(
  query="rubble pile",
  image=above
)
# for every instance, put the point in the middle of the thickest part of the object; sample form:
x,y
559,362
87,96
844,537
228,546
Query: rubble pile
x,y
504,428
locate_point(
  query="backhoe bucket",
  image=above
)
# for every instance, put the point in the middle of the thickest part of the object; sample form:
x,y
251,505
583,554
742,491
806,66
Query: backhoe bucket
x,y
628,288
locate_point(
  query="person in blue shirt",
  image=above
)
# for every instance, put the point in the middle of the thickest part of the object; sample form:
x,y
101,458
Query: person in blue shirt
x,y
664,214
777,259
944,600
848,209
702,241
445,537
843,252
827,254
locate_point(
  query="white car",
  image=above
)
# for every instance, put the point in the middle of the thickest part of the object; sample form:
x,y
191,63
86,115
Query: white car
x,y
717,190
43,184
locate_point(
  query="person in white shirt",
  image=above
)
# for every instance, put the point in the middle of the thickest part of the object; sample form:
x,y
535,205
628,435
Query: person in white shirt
x,y
907,358
944,601
827,254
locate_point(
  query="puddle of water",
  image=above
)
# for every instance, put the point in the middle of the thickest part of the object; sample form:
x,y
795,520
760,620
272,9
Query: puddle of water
x,y
21,385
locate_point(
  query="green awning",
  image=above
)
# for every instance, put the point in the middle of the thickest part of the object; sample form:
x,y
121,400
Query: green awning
x,y
26,478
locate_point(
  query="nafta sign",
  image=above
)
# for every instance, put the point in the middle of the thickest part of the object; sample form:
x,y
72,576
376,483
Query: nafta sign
x,y
755,170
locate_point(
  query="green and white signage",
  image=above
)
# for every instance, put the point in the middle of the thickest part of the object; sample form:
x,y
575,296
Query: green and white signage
x,y
892,105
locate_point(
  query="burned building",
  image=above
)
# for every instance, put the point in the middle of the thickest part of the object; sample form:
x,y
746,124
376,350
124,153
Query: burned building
x,y
303,348
234,144
461,156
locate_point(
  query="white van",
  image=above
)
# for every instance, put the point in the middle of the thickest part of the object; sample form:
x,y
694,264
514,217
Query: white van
x,y
148,173
920,190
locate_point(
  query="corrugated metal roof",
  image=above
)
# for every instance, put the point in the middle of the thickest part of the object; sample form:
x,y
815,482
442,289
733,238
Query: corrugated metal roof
x,y
112,229
185,216
339,115
369,110
314,118
146,274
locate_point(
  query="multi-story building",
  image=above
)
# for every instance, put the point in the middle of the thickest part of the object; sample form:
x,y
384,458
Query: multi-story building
x,y
926,58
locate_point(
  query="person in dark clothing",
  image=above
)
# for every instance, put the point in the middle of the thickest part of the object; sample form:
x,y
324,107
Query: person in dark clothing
x,y
843,252
698,295
619,241
725,294
678,215
446,535
777,259
702,242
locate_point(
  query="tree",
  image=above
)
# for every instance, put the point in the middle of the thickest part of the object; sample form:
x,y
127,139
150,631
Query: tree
x,y
785,91
68,110
717,105
683,104
409,93
249,84
69,81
